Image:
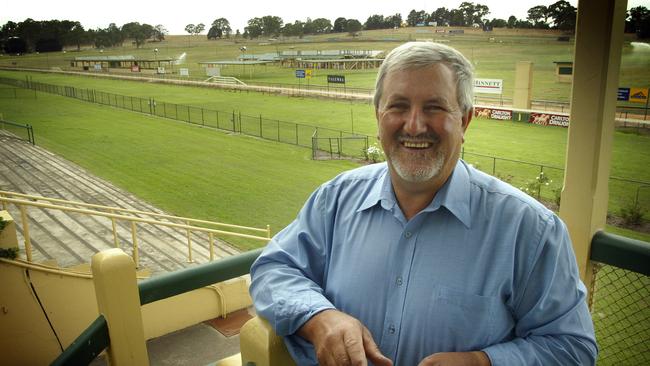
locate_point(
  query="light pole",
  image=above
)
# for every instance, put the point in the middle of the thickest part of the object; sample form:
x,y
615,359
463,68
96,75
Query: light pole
x,y
243,49
155,57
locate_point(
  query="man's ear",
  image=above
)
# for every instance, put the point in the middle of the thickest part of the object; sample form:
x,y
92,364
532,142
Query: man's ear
x,y
467,118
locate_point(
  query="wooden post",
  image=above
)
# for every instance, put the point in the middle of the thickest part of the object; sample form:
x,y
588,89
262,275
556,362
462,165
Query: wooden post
x,y
599,37
116,290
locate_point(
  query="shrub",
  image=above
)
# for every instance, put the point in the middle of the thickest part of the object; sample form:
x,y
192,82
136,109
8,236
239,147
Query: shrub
x,y
632,213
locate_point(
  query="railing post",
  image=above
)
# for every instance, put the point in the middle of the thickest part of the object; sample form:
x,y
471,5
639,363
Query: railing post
x,y
28,242
117,243
211,237
189,243
134,238
116,290
268,231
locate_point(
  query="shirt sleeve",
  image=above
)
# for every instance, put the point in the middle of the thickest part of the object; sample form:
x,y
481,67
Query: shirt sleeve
x,y
287,279
553,326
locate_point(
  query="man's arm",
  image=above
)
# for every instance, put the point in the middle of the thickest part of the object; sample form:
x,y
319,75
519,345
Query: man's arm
x,y
554,326
287,290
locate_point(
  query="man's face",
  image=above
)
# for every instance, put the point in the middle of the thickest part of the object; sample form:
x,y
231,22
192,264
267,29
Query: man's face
x,y
421,125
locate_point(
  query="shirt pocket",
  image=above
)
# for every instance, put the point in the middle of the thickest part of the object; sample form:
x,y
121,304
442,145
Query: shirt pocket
x,y
463,321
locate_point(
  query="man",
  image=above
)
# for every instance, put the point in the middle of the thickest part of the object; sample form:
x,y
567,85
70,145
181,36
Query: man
x,y
424,260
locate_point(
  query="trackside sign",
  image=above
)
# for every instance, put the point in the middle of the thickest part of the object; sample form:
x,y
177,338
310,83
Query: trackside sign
x,y
488,86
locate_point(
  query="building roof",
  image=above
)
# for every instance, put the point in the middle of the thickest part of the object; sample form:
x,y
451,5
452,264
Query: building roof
x,y
234,62
121,58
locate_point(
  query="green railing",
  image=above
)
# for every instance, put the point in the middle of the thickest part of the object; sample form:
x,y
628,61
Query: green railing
x,y
18,131
621,299
94,339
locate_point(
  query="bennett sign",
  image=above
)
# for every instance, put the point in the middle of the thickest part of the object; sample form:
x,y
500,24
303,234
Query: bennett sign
x,y
488,86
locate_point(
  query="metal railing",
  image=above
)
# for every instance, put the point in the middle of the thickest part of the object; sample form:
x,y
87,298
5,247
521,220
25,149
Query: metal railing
x,y
620,301
94,339
116,213
17,130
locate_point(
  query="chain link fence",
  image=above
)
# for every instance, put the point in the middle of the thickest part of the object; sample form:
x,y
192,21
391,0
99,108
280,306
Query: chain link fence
x,y
621,315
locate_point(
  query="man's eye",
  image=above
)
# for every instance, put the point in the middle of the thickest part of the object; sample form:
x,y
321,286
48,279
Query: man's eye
x,y
398,106
433,108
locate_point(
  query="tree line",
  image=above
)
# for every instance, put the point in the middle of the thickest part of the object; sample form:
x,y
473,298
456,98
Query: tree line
x,y
54,35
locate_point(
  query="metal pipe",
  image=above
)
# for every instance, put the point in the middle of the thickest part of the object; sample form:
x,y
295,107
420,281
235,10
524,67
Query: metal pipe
x,y
28,242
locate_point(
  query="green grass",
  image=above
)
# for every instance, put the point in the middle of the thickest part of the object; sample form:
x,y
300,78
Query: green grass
x,y
185,170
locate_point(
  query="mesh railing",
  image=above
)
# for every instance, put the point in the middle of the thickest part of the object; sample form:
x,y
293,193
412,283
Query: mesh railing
x,y
621,315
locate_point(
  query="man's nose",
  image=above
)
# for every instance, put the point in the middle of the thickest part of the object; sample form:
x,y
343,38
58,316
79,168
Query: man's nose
x,y
415,123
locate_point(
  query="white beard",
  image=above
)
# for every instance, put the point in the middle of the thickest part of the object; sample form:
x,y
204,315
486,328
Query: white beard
x,y
423,170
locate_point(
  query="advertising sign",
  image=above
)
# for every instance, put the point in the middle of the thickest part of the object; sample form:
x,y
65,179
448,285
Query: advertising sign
x,y
623,94
184,72
161,70
300,74
491,113
639,95
308,73
336,79
488,86
98,66
547,119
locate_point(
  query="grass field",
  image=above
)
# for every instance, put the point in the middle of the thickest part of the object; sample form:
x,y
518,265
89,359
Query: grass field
x,y
494,55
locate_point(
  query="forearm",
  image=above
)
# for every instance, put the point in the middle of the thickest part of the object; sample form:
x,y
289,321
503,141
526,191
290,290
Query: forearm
x,y
544,350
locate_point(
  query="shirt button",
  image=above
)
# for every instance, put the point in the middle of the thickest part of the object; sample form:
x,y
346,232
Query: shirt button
x,y
399,281
391,329
407,234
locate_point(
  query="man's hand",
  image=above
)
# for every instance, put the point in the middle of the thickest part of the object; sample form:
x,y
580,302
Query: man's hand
x,y
340,339
457,359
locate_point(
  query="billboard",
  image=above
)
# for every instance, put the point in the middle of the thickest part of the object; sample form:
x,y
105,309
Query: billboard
x,y
488,86
549,119
493,113
336,79
639,95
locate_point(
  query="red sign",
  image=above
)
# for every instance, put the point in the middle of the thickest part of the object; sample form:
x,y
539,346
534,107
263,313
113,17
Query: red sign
x,y
548,119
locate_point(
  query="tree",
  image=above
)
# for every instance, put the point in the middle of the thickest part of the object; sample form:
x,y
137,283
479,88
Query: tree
x,y
159,32
374,22
268,25
538,15
15,45
440,16
394,21
640,21
254,28
322,25
138,32
416,17
564,15
340,25
473,13
512,21
297,29
498,23
220,27
199,28
352,26
456,18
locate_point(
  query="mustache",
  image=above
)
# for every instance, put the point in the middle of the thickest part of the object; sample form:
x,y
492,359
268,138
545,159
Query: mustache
x,y
424,137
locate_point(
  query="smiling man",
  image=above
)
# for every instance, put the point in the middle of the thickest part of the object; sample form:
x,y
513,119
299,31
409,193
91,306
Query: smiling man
x,y
424,260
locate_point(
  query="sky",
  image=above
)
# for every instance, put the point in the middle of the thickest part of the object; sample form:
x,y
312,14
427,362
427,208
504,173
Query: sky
x,y
176,15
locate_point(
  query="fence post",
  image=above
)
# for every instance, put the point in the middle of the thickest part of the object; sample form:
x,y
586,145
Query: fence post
x,y
261,126
116,290
211,237
28,242
202,117
240,122
233,120
278,121
189,243
134,238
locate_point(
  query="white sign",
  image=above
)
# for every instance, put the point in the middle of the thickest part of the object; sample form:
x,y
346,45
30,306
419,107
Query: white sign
x,y
488,86
185,72
213,71
98,66
161,70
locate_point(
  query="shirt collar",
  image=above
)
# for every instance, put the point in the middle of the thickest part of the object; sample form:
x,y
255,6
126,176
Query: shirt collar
x,y
454,194
381,191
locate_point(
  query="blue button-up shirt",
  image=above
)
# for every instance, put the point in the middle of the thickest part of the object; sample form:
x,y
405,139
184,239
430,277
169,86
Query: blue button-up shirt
x,y
482,267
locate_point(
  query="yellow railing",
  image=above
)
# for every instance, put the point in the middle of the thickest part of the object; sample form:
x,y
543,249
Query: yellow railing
x,y
117,213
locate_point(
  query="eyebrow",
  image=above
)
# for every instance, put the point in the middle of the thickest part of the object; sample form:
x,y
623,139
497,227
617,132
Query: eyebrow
x,y
434,99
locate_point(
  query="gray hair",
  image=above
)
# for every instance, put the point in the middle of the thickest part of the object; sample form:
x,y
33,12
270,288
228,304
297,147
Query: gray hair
x,y
422,54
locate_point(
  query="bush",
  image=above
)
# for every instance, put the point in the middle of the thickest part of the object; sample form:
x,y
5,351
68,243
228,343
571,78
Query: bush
x,y
632,213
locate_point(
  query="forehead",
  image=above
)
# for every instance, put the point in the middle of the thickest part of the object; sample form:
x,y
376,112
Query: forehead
x,y
436,80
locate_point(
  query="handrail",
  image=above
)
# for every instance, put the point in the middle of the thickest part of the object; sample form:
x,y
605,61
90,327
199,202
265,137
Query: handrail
x,y
128,210
132,219
95,338
90,343
622,252
188,279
